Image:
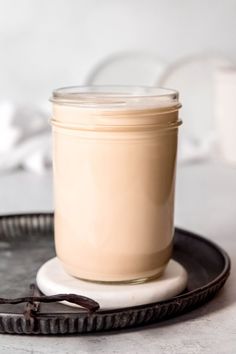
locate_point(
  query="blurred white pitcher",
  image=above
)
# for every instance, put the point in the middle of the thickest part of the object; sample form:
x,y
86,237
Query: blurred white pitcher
x,y
225,111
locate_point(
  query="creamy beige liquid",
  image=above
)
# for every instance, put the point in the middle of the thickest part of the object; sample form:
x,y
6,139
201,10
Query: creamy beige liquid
x,y
114,192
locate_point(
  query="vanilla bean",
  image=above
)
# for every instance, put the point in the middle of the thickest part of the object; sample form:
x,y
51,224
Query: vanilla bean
x,y
80,300
32,308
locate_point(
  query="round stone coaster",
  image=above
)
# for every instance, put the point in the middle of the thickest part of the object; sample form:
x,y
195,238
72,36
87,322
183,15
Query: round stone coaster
x,y
52,279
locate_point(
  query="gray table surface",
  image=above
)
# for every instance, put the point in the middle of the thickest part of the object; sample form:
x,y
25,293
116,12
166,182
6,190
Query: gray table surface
x,y
206,204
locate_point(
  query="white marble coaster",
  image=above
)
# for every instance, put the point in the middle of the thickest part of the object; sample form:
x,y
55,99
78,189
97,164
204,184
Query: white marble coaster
x,y
52,279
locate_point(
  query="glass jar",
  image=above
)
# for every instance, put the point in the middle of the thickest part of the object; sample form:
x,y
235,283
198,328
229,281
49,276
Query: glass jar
x,y
114,161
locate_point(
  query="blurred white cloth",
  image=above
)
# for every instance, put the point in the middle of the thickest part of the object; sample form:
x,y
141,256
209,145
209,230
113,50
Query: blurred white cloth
x,y
25,138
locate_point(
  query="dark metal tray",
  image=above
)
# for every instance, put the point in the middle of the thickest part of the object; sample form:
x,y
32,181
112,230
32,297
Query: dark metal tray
x,y
26,242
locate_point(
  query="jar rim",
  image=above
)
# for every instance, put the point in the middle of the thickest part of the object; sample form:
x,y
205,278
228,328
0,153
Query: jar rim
x,y
116,96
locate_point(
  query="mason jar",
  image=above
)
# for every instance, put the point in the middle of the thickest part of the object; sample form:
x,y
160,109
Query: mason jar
x,y
114,162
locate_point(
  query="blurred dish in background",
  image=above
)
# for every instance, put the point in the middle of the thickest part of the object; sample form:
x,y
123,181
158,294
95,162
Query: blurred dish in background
x,y
193,77
206,91
127,68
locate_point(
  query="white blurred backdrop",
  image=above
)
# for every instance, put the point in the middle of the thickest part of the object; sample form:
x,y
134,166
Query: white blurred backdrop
x,y
48,44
